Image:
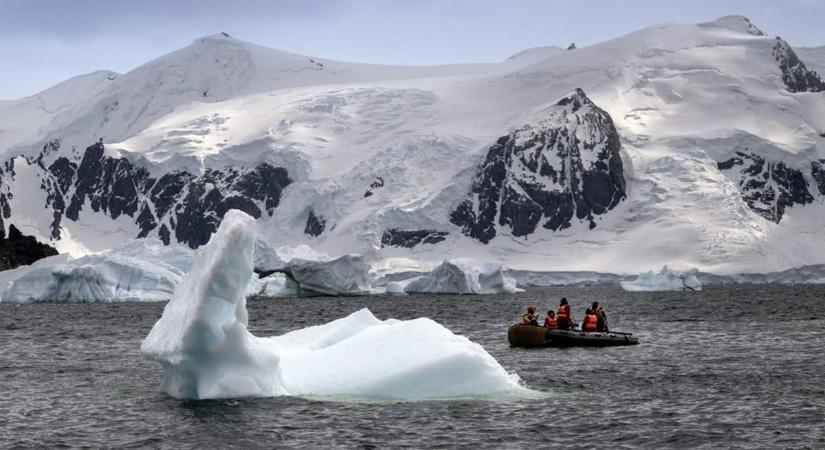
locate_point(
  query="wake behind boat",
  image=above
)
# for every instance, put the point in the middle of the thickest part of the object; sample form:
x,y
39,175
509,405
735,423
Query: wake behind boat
x,y
531,336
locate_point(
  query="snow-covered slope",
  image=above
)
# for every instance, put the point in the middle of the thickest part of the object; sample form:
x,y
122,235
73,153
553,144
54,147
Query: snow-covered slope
x,y
699,145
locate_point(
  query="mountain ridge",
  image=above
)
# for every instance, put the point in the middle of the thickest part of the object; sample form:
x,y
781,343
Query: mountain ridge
x,y
377,159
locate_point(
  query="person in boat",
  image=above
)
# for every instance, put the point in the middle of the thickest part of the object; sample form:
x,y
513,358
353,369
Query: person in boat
x,y
590,321
563,316
601,325
530,317
550,321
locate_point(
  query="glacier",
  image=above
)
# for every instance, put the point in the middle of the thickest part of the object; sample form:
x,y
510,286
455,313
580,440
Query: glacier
x,y
138,270
206,351
666,279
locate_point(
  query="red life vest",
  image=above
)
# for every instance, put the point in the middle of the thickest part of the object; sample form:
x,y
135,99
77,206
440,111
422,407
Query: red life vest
x,y
590,321
563,313
550,322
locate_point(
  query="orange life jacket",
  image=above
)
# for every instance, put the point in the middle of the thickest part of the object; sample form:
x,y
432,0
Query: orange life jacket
x,y
550,322
563,313
590,321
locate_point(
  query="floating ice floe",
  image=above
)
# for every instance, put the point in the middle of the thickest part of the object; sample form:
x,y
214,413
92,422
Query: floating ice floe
x,y
346,275
449,278
665,280
140,270
206,351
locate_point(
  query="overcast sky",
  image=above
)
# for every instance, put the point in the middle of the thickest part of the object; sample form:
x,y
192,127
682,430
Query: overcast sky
x,y
43,42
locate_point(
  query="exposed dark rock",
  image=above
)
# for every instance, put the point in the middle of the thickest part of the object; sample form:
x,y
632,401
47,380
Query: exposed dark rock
x,y
146,221
795,74
394,237
572,46
728,164
818,174
19,250
566,166
164,235
768,187
377,184
111,185
115,187
315,224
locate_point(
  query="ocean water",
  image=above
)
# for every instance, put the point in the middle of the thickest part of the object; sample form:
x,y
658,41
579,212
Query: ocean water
x,y
728,367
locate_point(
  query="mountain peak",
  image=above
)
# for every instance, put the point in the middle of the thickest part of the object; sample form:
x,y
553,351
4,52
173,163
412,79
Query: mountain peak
x,y
577,97
740,24
221,37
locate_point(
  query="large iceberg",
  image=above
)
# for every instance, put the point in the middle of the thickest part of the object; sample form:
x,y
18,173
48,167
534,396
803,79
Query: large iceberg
x,y
206,351
7,277
139,270
449,278
665,280
346,275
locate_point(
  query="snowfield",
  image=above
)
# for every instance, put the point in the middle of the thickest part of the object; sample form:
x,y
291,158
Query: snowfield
x,y
717,163
206,351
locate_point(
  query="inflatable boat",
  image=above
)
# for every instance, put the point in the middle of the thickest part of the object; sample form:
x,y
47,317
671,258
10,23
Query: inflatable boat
x,y
531,336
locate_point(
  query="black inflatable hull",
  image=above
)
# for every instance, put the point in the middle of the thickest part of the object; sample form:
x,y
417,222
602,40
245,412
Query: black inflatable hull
x,y
529,336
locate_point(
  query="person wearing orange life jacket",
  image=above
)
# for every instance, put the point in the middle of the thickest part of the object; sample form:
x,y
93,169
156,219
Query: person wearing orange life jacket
x,y
563,316
550,321
601,315
590,322
530,317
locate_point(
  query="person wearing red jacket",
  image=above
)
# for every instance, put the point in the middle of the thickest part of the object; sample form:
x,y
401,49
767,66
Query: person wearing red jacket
x,y
563,316
550,321
590,322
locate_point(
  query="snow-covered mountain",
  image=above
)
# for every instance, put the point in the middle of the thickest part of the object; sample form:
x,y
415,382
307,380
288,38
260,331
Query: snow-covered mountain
x,y
700,145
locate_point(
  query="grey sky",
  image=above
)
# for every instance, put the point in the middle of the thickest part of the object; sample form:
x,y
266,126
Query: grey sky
x,y
44,42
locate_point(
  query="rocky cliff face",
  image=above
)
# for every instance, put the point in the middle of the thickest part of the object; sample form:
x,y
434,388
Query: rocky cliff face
x,y
179,205
564,168
769,187
20,250
394,237
796,76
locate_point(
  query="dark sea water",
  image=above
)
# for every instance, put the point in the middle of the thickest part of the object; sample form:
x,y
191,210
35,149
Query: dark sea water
x,y
729,367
